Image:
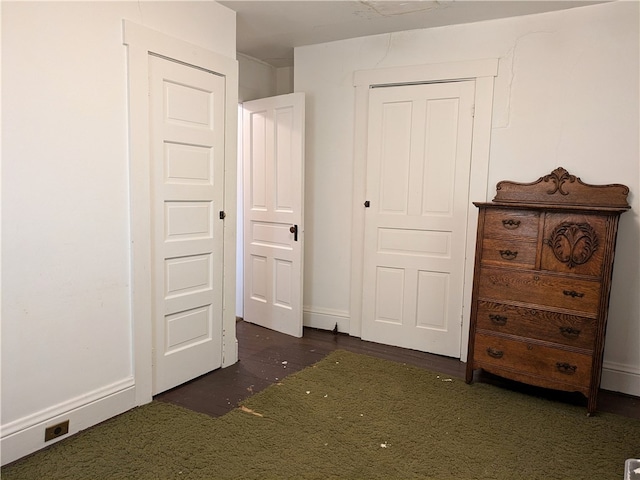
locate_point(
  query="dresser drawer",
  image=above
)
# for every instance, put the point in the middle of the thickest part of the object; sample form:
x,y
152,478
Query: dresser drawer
x,y
553,327
533,359
508,224
508,253
558,291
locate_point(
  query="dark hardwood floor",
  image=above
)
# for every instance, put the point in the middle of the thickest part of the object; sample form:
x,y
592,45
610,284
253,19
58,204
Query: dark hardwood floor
x,y
267,357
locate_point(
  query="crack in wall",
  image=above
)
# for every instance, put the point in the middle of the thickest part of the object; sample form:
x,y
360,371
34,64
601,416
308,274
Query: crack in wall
x,y
386,53
511,53
394,9
140,12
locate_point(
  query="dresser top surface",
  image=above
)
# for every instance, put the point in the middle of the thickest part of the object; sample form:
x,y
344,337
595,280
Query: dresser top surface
x,y
551,207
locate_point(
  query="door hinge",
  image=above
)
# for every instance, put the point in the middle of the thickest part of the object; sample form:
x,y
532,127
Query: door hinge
x,y
473,111
222,215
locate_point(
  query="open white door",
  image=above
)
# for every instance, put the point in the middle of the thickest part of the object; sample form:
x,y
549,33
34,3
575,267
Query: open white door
x,y
187,181
418,164
273,151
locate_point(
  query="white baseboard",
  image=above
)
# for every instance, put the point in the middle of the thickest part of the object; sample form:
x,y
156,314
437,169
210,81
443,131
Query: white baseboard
x,y
26,435
620,378
326,319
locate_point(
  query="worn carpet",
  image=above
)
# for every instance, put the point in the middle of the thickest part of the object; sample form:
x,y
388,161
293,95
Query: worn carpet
x,y
351,416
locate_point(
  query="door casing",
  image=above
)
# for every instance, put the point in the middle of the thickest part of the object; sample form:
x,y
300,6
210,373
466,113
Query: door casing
x,y
483,73
141,42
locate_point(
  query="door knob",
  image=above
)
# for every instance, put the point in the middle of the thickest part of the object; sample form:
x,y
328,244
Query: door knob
x,y
294,229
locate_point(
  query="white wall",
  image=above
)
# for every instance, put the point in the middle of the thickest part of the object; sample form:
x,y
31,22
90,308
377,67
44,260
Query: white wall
x,y
284,80
66,303
566,95
260,80
257,79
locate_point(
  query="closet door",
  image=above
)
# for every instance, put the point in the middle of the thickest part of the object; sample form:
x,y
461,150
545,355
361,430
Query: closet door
x,y
418,167
187,133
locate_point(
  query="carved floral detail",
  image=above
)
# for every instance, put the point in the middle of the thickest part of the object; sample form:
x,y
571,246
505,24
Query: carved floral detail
x,y
573,243
559,176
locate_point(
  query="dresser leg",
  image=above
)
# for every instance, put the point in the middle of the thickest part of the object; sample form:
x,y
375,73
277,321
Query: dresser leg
x,y
469,374
591,404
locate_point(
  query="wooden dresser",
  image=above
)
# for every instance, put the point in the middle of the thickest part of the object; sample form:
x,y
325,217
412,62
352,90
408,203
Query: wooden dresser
x,y
544,260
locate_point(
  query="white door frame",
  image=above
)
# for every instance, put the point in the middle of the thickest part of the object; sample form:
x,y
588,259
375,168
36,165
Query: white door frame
x,y
483,73
142,41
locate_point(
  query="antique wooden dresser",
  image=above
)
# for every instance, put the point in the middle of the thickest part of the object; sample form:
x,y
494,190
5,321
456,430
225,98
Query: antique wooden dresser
x,y
544,260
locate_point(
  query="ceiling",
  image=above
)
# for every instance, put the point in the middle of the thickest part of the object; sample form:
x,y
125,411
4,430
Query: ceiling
x,y
269,30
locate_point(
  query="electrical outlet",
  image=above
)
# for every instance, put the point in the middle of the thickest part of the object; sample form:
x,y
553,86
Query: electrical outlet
x,y
56,431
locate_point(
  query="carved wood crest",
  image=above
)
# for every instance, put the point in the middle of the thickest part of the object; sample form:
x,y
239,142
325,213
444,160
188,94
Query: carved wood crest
x,y
573,243
562,188
558,177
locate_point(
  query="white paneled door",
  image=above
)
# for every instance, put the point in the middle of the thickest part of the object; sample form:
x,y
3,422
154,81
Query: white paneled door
x,y
418,164
273,151
187,135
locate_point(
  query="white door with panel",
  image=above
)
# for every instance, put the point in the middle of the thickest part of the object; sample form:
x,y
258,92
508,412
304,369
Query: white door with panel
x,y
418,167
187,110
273,173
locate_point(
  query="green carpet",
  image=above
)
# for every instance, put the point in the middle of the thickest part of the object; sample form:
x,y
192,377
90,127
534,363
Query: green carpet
x,y
351,416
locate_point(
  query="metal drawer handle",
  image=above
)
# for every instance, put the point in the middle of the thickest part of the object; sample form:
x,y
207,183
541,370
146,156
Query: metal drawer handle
x,y
498,319
566,368
511,224
495,353
508,254
573,293
570,332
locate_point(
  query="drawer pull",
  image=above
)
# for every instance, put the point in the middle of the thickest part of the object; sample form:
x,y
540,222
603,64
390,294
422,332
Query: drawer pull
x,y
570,332
573,294
508,254
511,224
566,368
495,353
498,319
